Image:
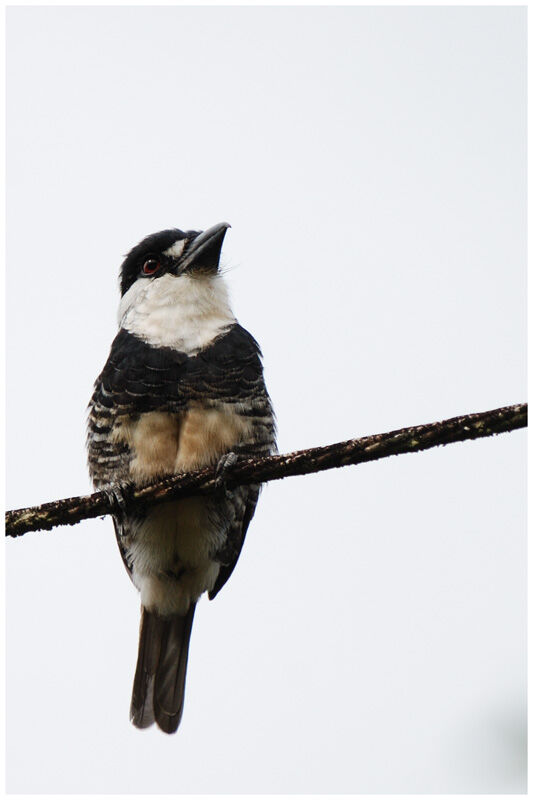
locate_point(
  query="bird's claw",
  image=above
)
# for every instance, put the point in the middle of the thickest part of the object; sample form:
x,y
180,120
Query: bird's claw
x,y
224,463
115,494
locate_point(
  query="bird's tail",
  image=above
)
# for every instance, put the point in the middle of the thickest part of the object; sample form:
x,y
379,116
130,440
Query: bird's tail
x,y
159,684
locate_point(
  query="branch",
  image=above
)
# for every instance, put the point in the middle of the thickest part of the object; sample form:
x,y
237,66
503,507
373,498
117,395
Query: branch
x,y
260,470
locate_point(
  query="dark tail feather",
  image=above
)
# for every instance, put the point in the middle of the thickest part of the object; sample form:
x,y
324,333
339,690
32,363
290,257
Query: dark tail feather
x,y
142,707
159,684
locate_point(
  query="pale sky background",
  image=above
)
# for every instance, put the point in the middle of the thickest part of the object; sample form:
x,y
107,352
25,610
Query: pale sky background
x,y
372,163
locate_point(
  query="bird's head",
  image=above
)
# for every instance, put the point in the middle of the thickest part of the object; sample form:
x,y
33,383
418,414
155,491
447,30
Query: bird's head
x,y
173,252
173,294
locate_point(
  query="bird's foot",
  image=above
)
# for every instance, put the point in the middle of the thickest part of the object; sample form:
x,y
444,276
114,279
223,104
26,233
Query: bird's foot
x,y
116,494
224,463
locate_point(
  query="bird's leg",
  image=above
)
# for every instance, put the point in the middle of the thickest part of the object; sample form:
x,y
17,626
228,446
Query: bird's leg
x,y
224,463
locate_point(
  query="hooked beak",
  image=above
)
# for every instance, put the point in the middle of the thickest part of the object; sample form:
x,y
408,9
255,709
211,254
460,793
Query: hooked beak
x,y
204,251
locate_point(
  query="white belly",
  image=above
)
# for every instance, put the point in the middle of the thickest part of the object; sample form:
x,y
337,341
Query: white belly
x,y
171,549
171,554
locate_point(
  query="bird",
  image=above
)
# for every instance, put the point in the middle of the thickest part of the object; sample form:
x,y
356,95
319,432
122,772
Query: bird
x,y
183,388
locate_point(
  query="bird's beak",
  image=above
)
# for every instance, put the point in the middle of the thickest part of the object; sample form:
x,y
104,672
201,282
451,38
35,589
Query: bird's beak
x,y
203,252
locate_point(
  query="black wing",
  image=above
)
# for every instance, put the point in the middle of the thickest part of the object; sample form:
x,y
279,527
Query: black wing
x,y
248,496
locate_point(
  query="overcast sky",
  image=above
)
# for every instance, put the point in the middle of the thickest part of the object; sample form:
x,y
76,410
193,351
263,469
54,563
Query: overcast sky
x,y
372,163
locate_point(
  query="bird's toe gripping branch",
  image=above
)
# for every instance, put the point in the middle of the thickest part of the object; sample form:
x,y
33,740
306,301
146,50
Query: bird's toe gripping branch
x,y
118,496
224,464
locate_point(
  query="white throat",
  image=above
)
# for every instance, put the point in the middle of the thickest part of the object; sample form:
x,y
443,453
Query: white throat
x,y
185,312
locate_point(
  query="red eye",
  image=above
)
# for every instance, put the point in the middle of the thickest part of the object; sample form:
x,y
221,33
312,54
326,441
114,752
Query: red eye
x,y
150,266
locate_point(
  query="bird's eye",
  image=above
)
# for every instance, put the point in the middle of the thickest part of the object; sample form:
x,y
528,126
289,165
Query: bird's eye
x,y
150,266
